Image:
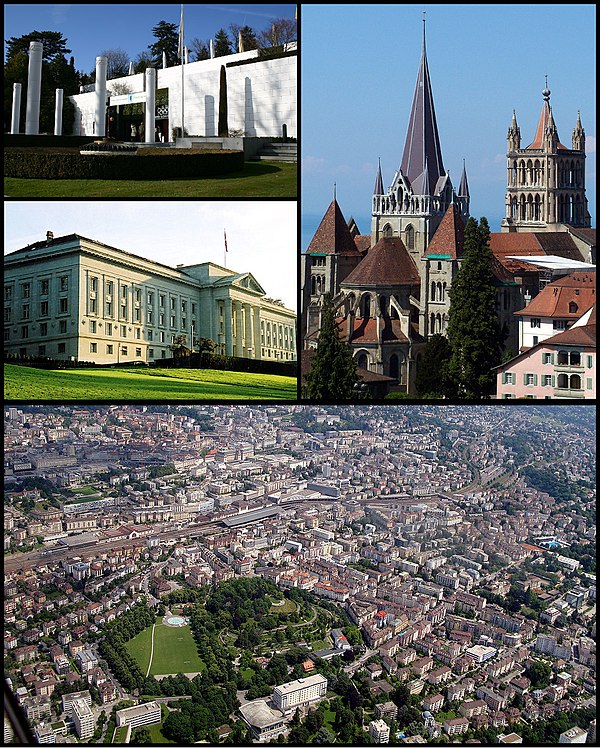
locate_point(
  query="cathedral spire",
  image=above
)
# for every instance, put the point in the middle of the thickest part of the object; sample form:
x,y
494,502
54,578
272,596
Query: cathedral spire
x,y
378,189
422,151
545,123
463,190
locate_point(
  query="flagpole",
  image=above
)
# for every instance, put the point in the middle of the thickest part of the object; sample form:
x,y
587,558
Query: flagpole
x,y
225,252
181,57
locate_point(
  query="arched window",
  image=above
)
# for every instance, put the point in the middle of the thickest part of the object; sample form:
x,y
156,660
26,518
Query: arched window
x,y
387,230
563,381
410,238
432,324
394,366
383,305
573,307
362,361
433,292
536,209
575,382
365,303
313,285
438,323
523,210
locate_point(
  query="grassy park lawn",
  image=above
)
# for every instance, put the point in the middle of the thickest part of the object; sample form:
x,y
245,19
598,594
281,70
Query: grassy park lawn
x,y
26,383
289,606
120,734
258,179
156,730
174,650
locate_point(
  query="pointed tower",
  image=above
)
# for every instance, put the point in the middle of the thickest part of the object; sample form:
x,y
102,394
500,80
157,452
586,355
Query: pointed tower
x,y
546,180
378,189
421,190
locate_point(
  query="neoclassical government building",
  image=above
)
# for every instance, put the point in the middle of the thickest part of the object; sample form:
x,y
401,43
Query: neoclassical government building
x,y
73,298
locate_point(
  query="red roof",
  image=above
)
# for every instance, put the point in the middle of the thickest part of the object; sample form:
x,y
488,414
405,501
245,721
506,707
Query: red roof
x,y
583,336
545,120
449,235
333,235
365,330
386,264
557,298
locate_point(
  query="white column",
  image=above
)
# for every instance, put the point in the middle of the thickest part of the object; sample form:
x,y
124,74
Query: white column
x,y
34,82
250,347
239,351
228,328
257,339
212,49
58,110
164,60
150,104
100,90
16,109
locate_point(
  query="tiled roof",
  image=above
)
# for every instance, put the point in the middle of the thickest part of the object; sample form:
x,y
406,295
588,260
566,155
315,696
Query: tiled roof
x,y
584,336
532,244
554,300
386,264
587,235
365,330
449,235
363,242
333,235
545,119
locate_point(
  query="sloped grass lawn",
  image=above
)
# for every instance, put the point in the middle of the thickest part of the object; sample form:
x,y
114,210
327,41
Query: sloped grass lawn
x,y
140,647
174,650
26,383
258,179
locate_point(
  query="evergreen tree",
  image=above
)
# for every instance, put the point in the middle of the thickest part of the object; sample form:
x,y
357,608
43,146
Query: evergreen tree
x,y
473,330
222,44
432,379
53,41
222,126
332,375
167,40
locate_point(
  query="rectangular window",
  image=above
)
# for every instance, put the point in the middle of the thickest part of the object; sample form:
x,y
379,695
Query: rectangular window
x,y
547,358
62,326
41,350
161,299
62,347
93,306
93,347
161,320
43,308
25,331
183,307
64,283
172,303
25,311
589,361
123,310
44,287
150,298
559,324
63,306
149,335
93,284
193,309
150,352
123,331
124,350
183,323
109,309
26,290
172,321
535,322
8,293
7,314
138,352
547,380
93,326
44,329
535,340
109,288
138,333
137,315
108,328
109,348
161,336
529,379
138,295
149,318
123,292
6,333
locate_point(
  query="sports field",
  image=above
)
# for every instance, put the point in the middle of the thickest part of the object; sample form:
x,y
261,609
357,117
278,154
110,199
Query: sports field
x,y
174,650
26,383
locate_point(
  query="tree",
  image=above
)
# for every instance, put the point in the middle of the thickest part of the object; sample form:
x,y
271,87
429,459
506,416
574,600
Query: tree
x,y
432,379
199,49
332,375
222,44
117,63
249,40
281,31
473,330
142,61
54,44
167,41
180,347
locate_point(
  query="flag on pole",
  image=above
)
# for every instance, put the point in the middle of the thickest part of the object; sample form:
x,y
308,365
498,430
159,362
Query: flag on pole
x,y
225,237
181,45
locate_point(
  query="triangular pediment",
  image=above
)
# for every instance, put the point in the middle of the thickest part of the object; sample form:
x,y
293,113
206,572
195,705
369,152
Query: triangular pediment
x,y
245,281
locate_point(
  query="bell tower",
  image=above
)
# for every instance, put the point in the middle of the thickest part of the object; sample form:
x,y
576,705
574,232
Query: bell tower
x,y
546,180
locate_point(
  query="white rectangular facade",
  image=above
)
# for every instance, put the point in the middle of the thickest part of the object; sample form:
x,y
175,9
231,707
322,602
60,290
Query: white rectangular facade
x,y
303,691
83,719
143,714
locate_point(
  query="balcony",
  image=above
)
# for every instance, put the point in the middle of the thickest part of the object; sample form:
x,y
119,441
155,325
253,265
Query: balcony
x,y
570,394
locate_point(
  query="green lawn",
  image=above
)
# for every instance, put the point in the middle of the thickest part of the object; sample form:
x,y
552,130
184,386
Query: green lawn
x,y
26,383
174,650
289,606
258,179
120,734
156,730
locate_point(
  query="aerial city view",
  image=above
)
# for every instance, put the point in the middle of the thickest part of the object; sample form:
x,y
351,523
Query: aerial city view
x,y
295,574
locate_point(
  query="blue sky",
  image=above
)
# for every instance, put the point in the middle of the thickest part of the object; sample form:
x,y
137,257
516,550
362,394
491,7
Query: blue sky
x,y
261,235
91,29
359,67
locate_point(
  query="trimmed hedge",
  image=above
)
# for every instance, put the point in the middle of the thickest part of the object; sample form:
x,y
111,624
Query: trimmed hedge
x,y
147,163
46,141
232,363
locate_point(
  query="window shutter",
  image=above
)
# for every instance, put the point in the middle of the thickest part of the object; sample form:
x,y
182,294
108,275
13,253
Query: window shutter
x,y
590,362
552,358
535,380
553,381
589,383
525,379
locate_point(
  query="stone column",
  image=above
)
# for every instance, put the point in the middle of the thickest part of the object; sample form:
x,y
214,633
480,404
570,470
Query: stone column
x,y
250,351
16,109
212,49
257,340
100,90
34,81
150,105
228,327
58,112
239,351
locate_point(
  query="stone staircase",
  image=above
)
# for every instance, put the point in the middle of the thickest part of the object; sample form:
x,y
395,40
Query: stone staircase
x,y
277,152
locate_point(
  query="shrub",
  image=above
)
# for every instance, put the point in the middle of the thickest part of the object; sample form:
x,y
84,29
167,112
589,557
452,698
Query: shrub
x,y
63,163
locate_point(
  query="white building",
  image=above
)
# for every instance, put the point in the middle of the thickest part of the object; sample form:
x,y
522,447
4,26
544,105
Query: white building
x,y
143,714
379,731
73,298
83,719
572,736
299,692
